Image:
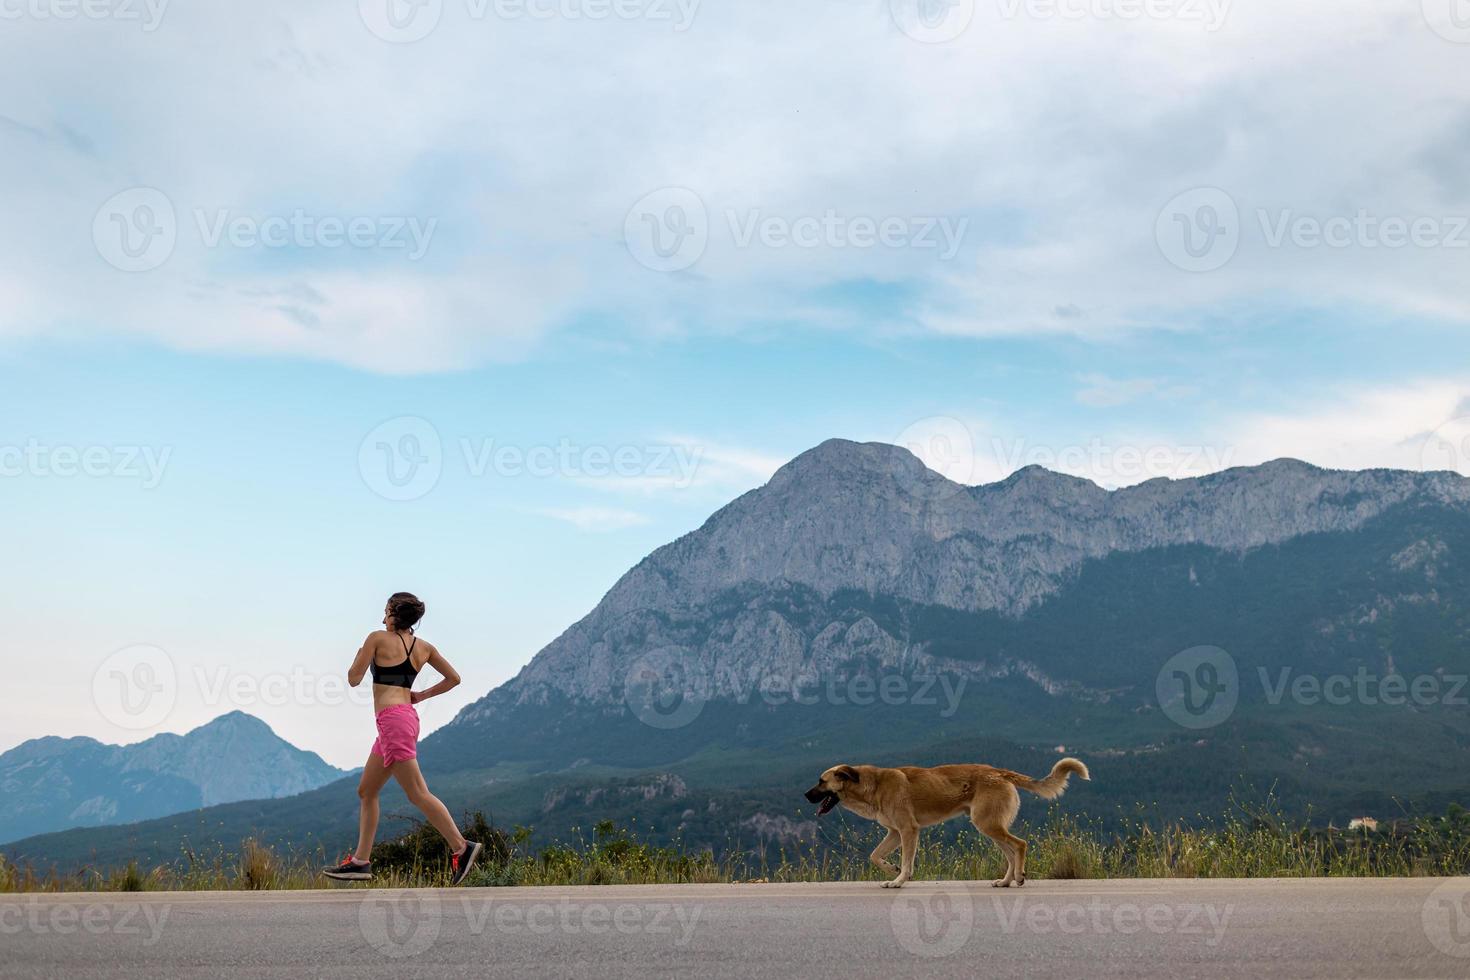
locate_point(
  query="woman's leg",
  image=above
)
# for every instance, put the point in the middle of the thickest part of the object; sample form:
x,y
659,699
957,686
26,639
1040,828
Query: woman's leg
x,y
374,778
412,780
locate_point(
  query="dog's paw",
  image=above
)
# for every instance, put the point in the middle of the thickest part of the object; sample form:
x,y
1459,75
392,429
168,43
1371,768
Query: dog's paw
x,y
1000,883
895,883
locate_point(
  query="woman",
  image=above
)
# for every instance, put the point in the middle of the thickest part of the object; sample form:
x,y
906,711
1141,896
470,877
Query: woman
x,y
395,657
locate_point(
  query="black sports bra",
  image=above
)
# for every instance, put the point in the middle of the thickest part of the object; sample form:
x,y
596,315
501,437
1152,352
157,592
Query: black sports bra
x,y
400,674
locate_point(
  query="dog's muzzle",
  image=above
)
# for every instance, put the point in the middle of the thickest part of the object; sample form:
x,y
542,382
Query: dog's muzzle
x,y
824,798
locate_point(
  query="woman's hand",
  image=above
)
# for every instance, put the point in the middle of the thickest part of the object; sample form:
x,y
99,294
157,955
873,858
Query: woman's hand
x,y
414,697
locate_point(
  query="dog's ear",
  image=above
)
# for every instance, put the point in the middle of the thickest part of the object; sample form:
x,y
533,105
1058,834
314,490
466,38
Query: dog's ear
x,y
848,773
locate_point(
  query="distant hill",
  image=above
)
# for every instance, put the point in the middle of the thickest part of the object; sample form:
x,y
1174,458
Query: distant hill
x,y
922,621
49,784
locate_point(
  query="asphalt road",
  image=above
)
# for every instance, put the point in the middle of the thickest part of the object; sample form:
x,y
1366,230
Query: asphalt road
x,y
1260,928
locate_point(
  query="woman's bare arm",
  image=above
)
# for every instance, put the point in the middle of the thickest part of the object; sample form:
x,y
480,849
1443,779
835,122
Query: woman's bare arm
x,y
360,663
450,675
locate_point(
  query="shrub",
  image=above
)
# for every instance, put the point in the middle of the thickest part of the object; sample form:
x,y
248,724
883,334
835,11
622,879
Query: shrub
x,y
259,868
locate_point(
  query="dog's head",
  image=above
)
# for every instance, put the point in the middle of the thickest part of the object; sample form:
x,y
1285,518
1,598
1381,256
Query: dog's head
x,y
830,788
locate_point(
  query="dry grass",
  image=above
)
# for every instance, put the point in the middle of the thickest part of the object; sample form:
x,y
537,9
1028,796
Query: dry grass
x,y
1247,845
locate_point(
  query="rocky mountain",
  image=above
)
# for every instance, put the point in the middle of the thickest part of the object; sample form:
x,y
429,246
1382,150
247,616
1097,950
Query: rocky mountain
x,y
871,520
51,783
862,608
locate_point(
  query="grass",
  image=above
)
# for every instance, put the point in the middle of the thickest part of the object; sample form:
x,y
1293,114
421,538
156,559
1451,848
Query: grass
x,y
1244,845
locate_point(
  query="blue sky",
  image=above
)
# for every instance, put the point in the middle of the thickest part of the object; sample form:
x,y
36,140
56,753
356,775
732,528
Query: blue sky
x,y
686,250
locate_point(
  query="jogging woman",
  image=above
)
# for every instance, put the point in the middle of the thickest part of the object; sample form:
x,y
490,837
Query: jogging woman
x,y
395,656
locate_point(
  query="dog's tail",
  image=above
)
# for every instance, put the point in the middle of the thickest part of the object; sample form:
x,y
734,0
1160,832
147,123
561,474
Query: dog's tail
x,y
1055,782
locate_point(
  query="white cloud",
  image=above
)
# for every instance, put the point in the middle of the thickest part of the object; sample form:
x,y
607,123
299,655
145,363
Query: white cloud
x,y
1416,427
528,140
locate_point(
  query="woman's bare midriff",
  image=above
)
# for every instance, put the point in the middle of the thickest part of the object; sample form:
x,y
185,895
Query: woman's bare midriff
x,y
386,695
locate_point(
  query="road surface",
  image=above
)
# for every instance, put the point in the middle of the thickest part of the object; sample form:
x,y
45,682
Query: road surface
x,y
1152,928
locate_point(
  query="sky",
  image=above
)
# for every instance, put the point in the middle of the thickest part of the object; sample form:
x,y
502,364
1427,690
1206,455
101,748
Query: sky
x,y
305,303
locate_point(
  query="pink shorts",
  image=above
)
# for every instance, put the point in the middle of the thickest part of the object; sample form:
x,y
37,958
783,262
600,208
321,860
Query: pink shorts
x,y
398,734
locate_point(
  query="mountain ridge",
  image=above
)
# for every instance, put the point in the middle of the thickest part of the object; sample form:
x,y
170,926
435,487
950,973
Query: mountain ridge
x,y
54,782
903,530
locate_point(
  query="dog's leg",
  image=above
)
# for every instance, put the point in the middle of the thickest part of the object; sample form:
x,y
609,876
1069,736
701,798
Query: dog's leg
x,y
1003,841
1015,852
909,838
1020,847
881,852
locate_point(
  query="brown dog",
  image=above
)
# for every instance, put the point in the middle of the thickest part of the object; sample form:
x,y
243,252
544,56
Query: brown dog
x,y
906,799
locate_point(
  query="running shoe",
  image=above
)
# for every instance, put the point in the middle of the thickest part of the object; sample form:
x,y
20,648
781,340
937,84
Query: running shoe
x,y
350,869
461,863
